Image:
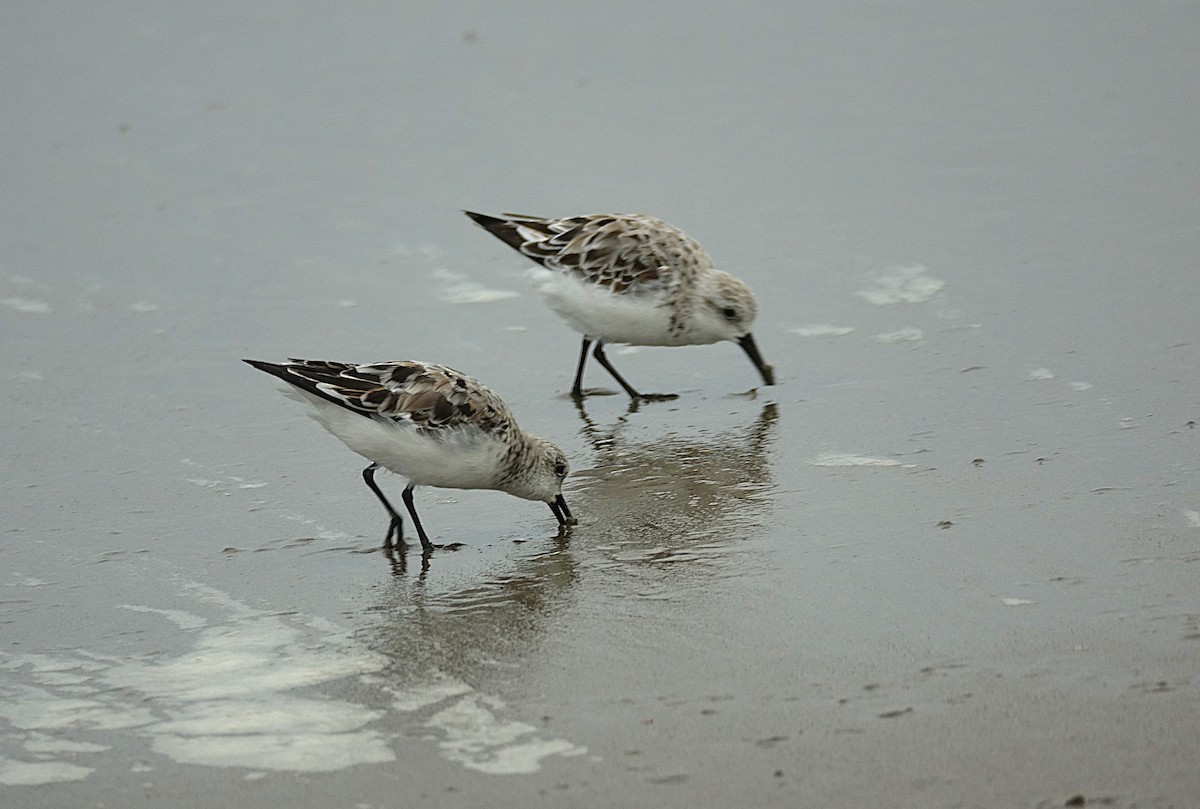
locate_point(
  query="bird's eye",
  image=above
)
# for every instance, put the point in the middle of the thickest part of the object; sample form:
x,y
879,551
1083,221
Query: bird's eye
x,y
560,469
729,312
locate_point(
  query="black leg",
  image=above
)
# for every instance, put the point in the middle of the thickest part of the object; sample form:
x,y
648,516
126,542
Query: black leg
x,y
397,524
577,388
649,397
426,545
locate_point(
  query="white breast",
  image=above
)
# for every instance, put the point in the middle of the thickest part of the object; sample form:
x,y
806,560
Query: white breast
x,y
595,312
453,458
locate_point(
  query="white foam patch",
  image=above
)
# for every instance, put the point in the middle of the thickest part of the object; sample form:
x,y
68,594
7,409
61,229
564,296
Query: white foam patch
x,y
457,288
47,744
239,695
474,735
231,483
41,664
907,334
414,699
27,305
230,699
1193,518
904,284
1015,602
143,307
31,708
1039,374
479,740
181,619
61,679
843,459
1081,386
822,330
305,752
206,483
36,773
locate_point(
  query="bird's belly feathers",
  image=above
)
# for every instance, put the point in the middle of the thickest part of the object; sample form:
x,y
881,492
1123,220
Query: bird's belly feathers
x,y
453,458
643,319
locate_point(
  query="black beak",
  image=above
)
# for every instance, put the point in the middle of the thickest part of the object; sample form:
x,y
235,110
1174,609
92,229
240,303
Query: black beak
x,y
563,514
768,373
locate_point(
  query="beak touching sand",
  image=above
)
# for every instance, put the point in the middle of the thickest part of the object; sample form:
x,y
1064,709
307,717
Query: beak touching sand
x,y
768,373
563,514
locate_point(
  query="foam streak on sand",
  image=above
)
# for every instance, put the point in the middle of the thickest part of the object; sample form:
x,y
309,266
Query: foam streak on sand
x,y
845,459
229,700
822,330
251,690
904,284
27,305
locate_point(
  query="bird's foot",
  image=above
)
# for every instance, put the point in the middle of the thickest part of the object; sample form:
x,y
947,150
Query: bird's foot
x,y
580,395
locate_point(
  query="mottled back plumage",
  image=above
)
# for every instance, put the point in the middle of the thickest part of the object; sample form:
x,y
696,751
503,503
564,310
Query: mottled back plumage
x,y
429,396
625,253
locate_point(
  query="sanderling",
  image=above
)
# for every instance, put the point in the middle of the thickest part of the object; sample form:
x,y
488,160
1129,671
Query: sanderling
x,y
432,425
620,278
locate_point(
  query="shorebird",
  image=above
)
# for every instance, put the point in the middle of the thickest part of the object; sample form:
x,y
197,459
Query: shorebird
x,y
629,278
431,424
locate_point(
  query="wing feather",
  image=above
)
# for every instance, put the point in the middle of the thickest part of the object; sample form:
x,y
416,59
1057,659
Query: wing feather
x,y
425,395
625,253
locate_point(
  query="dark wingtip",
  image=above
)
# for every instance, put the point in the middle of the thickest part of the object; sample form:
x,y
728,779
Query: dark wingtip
x,y
274,369
304,383
484,220
503,229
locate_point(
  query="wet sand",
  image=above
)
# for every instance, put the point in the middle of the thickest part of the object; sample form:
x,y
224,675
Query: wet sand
x,y
949,560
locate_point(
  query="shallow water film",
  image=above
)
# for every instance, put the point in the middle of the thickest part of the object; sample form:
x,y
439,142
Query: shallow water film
x,y
949,560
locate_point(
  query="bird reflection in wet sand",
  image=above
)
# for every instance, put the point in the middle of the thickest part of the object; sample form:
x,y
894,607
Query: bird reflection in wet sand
x,y
677,496
398,557
459,650
499,615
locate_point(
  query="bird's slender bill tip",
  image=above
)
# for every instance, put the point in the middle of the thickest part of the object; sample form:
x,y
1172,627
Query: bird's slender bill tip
x,y
563,514
767,371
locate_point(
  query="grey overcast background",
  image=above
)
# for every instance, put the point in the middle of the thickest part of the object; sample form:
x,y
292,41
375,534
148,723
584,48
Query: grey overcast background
x,y
950,560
